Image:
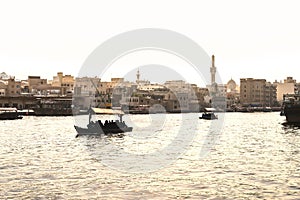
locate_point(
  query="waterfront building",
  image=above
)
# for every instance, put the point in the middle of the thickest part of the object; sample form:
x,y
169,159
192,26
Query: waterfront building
x,y
9,86
66,82
289,79
257,92
151,87
252,91
270,95
284,88
3,88
34,82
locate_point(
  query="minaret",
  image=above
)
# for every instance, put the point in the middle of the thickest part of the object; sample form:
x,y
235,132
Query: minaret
x,y
213,70
138,77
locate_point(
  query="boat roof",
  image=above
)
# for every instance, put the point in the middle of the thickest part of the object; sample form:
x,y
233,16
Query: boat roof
x,y
8,109
210,109
108,111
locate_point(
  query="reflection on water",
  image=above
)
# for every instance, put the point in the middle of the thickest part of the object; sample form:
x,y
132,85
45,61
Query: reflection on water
x,y
255,156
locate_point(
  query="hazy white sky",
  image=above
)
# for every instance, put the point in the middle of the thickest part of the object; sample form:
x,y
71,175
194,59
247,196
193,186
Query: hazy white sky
x,y
257,38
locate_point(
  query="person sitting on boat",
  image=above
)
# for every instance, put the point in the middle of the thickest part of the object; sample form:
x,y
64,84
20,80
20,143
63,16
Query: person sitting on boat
x,y
100,123
91,124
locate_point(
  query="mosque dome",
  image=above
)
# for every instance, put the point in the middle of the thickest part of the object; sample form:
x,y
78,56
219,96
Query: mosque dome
x,y
231,85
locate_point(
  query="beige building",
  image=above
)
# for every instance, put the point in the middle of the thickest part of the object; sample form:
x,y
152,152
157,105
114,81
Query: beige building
x,y
3,87
288,86
284,88
34,82
151,87
289,79
65,81
257,92
10,87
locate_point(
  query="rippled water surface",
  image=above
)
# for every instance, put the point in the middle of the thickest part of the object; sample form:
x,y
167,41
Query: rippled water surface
x,y
254,156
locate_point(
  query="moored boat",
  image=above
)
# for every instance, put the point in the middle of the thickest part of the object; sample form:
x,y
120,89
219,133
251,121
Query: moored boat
x,y
54,107
9,114
291,108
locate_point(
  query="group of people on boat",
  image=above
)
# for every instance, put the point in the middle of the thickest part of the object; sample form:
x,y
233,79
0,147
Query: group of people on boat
x,y
109,124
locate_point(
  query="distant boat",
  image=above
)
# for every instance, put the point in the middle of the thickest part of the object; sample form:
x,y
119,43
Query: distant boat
x,y
9,114
140,109
54,107
291,108
209,114
267,109
108,127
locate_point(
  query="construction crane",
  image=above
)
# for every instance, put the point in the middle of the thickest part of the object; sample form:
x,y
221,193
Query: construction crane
x,y
107,103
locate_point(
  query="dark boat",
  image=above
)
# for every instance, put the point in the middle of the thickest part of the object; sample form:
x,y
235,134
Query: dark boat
x,y
54,107
209,114
98,128
9,114
291,108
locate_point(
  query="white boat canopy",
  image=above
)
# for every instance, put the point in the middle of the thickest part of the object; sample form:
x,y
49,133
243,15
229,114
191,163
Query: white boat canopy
x,y
108,111
8,109
210,109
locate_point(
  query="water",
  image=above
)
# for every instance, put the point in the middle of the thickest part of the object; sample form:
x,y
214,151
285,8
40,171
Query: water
x,y
254,156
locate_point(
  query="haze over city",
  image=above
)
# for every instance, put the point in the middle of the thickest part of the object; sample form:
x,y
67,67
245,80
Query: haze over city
x,y
257,39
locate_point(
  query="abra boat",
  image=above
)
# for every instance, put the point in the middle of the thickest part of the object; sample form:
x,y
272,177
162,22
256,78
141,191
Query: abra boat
x,y
291,108
9,114
209,114
108,127
54,107
97,128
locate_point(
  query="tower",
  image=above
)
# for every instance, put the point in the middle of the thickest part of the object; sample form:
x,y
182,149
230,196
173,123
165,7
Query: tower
x,y
213,70
138,76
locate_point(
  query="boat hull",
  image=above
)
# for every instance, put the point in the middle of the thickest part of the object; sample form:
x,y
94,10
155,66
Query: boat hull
x,y
208,116
52,112
10,116
292,113
99,131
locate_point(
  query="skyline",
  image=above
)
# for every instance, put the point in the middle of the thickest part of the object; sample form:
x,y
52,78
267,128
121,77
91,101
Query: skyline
x,y
257,39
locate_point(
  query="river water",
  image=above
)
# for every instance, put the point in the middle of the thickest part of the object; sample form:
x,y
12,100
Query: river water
x,y
252,156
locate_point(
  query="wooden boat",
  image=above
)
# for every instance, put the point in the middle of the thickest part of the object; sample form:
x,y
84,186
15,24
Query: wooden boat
x,y
108,127
291,108
54,107
95,128
9,114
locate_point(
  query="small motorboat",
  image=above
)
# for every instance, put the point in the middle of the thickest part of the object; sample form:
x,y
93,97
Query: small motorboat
x,y
209,114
